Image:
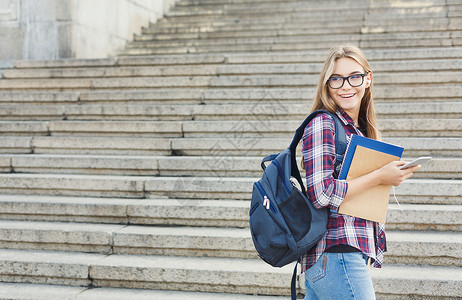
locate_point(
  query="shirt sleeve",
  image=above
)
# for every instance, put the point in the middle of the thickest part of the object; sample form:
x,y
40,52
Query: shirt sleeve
x,y
318,150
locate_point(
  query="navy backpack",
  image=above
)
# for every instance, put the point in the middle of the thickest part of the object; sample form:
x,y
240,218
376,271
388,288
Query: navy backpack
x,y
284,224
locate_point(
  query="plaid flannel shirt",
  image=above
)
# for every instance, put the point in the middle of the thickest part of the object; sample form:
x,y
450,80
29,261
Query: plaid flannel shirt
x,y
324,190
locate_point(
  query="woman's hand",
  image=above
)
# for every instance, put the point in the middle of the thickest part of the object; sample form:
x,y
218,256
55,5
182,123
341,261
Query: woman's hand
x,y
391,174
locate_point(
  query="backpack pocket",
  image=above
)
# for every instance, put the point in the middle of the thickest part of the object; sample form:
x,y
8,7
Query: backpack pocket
x,y
296,209
268,237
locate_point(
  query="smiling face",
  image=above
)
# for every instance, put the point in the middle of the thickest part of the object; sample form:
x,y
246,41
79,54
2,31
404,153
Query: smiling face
x,y
348,97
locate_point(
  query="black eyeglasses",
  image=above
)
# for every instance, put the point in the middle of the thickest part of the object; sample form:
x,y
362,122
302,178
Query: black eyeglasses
x,y
354,80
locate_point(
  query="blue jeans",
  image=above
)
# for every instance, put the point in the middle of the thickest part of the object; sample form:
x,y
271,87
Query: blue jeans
x,y
339,276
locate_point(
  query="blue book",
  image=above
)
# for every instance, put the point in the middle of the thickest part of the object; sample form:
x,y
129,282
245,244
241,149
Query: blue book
x,y
357,140
363,156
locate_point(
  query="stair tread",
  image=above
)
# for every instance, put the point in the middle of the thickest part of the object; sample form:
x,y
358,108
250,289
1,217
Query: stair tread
x,y
424,273
52,257
205,179
253,266
259,69
290,56
206,232
45,292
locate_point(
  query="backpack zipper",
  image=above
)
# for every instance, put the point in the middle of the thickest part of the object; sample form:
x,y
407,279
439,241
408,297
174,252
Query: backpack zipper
x,y
281,174
266,201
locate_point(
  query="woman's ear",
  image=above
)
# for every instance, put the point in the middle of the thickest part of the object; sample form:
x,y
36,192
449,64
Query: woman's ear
x,y
369,79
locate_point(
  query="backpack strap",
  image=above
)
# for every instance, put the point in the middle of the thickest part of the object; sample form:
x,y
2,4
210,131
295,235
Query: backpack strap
x,y
340,148
293,288
266,159
340,144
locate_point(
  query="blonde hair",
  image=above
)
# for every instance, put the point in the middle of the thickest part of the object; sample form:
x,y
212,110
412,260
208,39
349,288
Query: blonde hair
x,y
323,99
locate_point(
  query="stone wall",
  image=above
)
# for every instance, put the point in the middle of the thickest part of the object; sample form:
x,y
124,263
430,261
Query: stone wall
x,y
52,29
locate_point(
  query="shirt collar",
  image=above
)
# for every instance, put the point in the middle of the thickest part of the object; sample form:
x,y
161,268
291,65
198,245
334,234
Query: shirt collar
x,y
345,118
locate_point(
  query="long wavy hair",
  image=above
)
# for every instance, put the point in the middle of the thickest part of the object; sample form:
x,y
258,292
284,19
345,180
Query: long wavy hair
x,y
323,100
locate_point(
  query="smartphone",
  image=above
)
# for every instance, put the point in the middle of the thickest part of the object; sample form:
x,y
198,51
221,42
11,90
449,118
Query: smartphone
x,y
416,162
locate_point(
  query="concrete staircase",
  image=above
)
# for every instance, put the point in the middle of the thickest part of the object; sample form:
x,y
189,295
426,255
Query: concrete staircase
x,y
130,177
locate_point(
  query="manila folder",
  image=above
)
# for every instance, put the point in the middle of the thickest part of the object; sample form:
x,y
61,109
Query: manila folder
x,y
371,204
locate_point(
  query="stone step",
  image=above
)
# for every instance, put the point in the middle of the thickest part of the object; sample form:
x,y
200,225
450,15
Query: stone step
x,y
305,11
381,79
72,185
368,40
14,144
440,249
216,147
280,28
46,267
269,7
294,42
94,145
382,6
103,83
58,236
224,14
228,213
229,275
16,128
421,191
437,35
238,166
276,97
266,128
401,282
223,69
154,272
387,85
88,164
253,30
406,43
32,112
290,36
404,12
195,212
141,96
45,97
410,78
318,56
241,40
115,128
283,46
216,112
273,23
420,146
377,3
197,129
137,71
27,291
252,147
216,50
427,248
71,209
170,60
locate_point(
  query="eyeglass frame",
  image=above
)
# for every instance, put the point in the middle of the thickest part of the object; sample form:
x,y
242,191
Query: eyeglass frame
x,y
347,78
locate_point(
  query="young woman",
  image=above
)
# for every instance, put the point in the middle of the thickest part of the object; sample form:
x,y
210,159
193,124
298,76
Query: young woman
x,y
337,267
